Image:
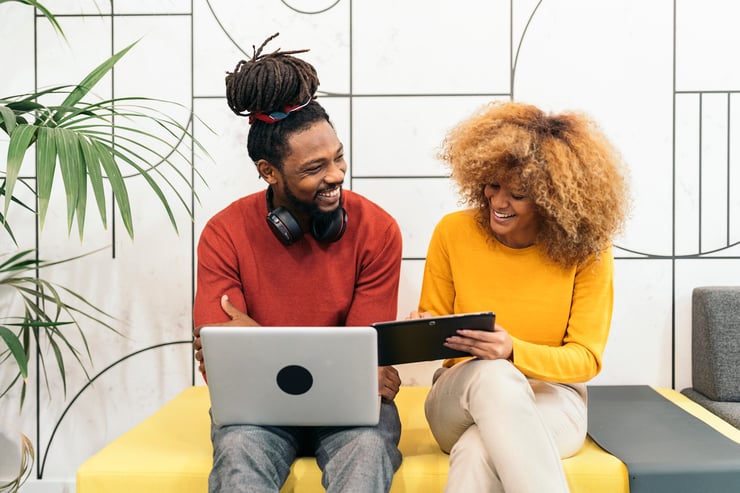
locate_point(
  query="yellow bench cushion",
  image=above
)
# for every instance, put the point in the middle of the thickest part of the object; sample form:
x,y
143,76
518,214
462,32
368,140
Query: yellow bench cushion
x,y
170,452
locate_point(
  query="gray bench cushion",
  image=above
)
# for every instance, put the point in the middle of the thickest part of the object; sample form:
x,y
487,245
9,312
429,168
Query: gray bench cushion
x,y
729,411
715,352
665,449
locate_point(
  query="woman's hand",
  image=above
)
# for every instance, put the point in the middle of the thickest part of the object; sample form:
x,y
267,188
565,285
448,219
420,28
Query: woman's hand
x,y
482,343
415,314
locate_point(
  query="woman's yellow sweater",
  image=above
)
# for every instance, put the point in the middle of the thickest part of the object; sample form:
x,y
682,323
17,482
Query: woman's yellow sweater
x,y
558,318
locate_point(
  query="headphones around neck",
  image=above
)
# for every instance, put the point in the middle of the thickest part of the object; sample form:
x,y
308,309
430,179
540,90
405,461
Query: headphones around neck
x,y
287,229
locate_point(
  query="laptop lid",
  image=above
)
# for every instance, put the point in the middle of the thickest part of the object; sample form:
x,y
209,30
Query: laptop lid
x,y
292,376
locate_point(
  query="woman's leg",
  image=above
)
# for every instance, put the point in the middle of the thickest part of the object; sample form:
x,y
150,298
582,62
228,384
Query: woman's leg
x,y
515,434
470,466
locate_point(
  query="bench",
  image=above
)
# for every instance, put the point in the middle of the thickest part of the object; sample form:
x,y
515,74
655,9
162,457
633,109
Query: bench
x,y
715,351
170,452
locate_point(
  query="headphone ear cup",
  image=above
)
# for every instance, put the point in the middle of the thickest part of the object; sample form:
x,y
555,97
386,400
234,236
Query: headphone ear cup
x,y
284,225
330,231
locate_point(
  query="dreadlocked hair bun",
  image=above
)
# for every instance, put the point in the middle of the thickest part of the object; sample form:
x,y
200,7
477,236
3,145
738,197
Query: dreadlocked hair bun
x,y
269,82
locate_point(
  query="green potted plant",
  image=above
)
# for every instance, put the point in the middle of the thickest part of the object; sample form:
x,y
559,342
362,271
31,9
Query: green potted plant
x,y
92,145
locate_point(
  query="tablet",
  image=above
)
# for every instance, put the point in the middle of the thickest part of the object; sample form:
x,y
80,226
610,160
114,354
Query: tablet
x,y
422,339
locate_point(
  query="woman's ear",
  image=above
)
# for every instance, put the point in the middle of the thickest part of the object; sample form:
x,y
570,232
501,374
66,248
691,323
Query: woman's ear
x,y
266,171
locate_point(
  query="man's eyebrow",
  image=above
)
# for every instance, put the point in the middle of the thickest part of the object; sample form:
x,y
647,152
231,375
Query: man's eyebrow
x,y
312,162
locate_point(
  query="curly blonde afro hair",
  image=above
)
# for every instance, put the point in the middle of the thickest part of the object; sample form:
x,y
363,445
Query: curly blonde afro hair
x,y
563,162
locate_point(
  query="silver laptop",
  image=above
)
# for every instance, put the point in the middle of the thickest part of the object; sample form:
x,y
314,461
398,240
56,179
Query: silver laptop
x,y
292,376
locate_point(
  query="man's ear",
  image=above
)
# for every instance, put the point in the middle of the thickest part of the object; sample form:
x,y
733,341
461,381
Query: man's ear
x,y
267,171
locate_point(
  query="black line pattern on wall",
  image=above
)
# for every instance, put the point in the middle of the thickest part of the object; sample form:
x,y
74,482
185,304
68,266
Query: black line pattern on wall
x,y
623,253
42,463
330,4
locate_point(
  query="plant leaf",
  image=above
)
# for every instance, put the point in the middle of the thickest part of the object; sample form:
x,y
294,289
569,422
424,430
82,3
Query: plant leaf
x,y
7,119
60,362
69,164
81,90
44,10
12,263
80,170
46,162
8,229
152,184
16,349
92,164
117,185
20,140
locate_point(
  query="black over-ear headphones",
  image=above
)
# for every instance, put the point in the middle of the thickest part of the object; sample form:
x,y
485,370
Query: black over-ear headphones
x,y
287,229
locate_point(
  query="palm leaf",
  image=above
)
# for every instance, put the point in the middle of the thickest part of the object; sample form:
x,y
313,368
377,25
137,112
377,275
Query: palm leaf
x,y
7,119
20,139
118,186
49,311
46,161
5,224
80,146
73,177
84,87
49,16
92,165
16,349
24,467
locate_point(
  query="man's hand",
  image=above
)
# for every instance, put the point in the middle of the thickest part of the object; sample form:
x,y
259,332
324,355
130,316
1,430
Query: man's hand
x,y
389,382
238,318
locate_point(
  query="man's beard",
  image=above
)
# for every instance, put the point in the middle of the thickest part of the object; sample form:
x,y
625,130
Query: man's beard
x,y
319,218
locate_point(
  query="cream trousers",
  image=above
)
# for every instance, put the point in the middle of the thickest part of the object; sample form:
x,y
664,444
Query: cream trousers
x,y
504,431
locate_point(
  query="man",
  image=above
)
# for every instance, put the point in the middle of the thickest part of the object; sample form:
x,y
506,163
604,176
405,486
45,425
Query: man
x,y
302,252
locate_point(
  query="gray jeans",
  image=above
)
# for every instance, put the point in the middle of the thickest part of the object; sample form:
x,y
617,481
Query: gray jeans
x,y
258,458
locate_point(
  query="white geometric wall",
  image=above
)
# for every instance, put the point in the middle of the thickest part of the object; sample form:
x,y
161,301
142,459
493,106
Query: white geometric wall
x,y
659,76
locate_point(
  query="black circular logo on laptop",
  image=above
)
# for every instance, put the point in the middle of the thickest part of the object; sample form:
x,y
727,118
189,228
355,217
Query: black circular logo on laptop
x,y
294,380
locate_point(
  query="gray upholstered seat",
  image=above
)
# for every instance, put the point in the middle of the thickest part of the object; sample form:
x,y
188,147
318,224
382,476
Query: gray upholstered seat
x,y
715,351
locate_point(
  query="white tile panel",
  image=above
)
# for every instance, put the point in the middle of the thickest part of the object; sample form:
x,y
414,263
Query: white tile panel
x,y
686,211
639,347
401,136
420,47
226,32
714,172
417,205
706,42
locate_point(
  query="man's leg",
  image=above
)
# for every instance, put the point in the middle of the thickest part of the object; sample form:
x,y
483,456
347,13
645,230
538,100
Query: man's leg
x,y
360,459
251,458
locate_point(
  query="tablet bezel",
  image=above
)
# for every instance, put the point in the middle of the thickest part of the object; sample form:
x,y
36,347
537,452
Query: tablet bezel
x,y
421,339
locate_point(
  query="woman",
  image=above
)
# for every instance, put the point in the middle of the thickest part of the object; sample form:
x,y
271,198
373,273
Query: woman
x,y
547,194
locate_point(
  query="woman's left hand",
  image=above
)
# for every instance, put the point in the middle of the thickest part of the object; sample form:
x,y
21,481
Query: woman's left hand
x,y
482,343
